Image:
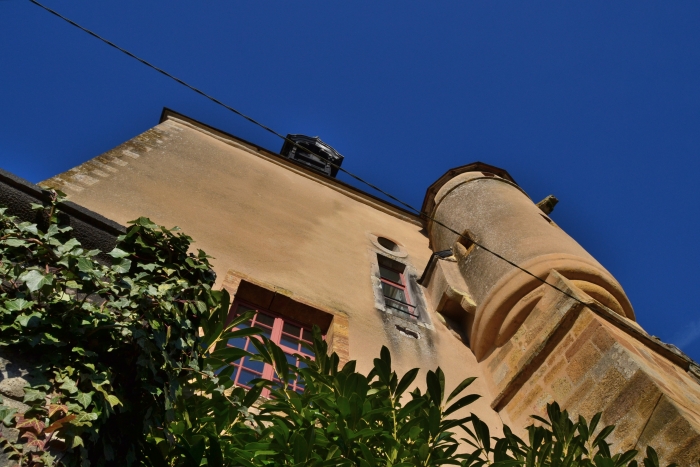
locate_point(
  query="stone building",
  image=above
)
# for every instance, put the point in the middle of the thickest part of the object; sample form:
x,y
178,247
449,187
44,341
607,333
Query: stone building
x,y
303,248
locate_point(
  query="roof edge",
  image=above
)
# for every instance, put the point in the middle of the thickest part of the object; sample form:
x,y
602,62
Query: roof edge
x,y
68,207
431,192
322,178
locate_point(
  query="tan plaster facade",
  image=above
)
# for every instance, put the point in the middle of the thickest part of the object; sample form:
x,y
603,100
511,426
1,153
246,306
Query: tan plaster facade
x,y
305,245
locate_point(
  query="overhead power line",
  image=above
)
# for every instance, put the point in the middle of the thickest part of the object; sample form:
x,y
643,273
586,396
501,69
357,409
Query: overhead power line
x,y
279,135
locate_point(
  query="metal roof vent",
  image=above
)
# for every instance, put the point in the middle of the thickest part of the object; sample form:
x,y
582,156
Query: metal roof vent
x,y
316,154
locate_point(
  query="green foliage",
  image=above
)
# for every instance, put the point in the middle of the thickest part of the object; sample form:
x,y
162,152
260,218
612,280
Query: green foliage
x,y
345,418
108,343
557,441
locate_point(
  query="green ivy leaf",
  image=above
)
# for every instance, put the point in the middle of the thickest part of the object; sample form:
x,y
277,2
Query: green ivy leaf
x,y
145,222
48,338
117,253
29,227
7,415
84,398
18,304
77,441
69,385
29,321
69,245
85,265
122,266
31,395
84,353
34,280
87,417
15,242
113,400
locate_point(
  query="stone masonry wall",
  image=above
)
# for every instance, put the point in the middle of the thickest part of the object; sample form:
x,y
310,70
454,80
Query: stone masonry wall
x,y
14,376
590,360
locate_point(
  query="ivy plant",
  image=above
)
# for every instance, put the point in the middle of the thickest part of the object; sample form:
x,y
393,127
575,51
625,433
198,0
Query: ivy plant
x,y
107,342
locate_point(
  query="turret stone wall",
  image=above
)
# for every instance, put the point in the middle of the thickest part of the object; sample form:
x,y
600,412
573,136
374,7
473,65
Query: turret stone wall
x,y
587,358
566,334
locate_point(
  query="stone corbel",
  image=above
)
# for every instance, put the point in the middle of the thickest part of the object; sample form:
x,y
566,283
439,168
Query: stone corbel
x,y
449,296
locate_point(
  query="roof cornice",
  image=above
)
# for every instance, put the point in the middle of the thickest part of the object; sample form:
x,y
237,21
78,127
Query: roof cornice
x,y
431,192
276,158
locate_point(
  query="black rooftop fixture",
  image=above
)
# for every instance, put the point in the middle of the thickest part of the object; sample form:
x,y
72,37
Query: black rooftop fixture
x,y
316,154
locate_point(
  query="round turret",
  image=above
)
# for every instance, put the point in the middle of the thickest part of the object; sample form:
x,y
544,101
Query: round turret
x,y
486,206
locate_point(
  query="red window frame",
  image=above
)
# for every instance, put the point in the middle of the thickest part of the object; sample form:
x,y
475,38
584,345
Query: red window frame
x,y
280,330
389,264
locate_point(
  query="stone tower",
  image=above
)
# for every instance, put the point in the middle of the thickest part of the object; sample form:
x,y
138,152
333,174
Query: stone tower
x,y
566,332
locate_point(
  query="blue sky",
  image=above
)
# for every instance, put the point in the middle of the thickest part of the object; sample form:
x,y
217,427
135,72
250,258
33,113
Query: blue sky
x,y
595,102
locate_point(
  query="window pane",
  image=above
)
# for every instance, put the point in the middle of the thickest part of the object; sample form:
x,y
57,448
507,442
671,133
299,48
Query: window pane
x,y
308,335
265,319
300,383
398,306
246,377
291,329
253,365
267,332
395,298
252,349
390,263
291,359
291,337
238,342
390,275
289,342
277,384
241,310
393,292
307,351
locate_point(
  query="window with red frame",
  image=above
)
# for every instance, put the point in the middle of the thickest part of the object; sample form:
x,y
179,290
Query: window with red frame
x,y
293,338
393,279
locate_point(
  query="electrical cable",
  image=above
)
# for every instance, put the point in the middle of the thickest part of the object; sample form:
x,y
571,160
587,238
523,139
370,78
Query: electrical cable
x,y
270,130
